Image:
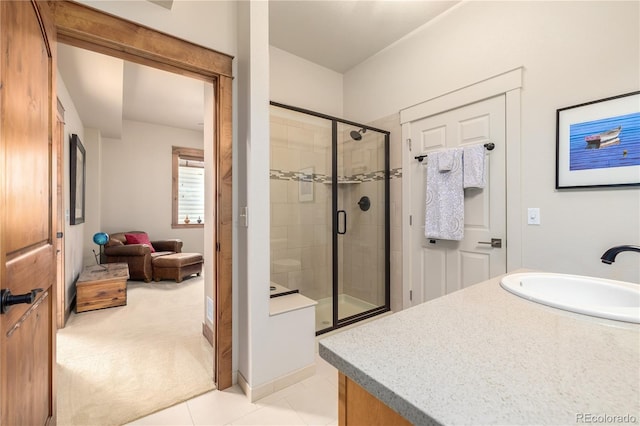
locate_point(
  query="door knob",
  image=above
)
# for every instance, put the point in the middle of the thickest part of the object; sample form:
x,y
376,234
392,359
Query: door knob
x,y
495,242
7,299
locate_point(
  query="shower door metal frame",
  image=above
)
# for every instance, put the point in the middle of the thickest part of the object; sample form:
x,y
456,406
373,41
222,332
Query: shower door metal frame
x,y
336,322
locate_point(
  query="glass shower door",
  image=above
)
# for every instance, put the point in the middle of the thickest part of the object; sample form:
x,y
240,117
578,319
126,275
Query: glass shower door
x,y
301,209
361,203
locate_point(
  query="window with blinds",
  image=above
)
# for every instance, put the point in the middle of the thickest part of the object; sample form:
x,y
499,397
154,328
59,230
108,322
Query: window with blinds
x,y
188,187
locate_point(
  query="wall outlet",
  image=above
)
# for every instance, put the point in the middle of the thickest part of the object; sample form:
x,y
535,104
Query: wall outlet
x,y
533,216
210,309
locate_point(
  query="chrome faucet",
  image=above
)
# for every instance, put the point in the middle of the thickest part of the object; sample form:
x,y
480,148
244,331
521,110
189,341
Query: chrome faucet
x,y
609,256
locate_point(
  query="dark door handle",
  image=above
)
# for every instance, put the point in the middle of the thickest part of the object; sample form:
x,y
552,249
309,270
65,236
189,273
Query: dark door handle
x,y
495,242
7,299
344,222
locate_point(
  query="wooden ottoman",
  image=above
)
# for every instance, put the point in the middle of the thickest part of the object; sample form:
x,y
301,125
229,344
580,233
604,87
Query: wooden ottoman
x,y
102,286
176,266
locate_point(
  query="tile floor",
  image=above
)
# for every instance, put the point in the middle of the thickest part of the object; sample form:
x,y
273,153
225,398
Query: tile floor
x,y
313,401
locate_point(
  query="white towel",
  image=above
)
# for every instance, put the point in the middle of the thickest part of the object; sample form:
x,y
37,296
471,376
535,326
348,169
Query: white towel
x,y
444,210
445,160
473,165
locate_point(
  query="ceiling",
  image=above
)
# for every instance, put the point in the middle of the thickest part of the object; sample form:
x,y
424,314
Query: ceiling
x,y
335,34
106,90
341,34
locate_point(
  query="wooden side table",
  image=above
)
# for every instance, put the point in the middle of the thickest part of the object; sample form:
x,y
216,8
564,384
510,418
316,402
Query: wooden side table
x,y
102,286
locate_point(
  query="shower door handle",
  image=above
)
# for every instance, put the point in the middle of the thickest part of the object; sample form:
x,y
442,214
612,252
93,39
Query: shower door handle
x,y
344,222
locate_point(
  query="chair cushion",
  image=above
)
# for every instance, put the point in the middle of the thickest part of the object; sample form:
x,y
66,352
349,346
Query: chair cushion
x,y
139,238
160,253
177,260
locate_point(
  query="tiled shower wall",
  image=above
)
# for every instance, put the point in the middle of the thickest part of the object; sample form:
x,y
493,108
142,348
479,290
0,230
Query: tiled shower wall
x,y
301,238
362,247
301,227
392,124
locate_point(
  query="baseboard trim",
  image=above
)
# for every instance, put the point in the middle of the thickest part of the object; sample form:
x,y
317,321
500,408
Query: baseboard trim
x,y
266,389
70,308
207,332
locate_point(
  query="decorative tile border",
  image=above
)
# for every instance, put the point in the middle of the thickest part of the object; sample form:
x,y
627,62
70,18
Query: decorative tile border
x,y
395,173
322,178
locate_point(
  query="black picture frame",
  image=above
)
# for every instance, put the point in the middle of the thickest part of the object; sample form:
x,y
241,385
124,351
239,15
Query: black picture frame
x,y
598,143
78,162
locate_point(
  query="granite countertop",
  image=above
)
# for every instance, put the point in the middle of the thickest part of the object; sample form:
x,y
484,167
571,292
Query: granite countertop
x,y
485,356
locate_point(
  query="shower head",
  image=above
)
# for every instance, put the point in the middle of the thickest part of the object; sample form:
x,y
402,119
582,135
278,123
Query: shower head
x,y
356,136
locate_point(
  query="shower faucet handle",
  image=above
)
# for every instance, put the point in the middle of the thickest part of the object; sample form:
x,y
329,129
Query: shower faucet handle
x,y
364,203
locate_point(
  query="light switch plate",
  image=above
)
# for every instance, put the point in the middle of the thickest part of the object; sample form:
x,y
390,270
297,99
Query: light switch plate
x,y
533,216
244,217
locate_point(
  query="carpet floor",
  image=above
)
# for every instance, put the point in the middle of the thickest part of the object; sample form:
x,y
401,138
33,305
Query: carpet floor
x,y
119,364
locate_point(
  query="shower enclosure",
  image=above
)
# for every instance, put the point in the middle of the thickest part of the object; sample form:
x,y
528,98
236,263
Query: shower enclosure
x,y
329,214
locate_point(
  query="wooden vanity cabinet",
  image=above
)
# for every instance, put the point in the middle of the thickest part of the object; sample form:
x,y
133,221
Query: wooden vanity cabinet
x,y
356,406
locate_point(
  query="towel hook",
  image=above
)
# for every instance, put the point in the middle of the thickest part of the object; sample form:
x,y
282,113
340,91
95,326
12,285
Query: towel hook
x,y
489,145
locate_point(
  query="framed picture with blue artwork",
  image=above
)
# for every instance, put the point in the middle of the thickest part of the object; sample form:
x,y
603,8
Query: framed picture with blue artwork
x,y
598,143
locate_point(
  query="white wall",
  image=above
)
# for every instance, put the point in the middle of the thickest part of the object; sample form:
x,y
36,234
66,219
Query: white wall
x,y
93,144
136,182
562,58
267,347
253,111
208,23
73,235
297,82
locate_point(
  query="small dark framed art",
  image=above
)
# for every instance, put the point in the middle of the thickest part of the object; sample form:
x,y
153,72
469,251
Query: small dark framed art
x,y
598,143
78,163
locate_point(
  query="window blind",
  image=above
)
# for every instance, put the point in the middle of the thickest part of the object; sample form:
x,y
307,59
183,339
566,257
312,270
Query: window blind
x,y
190,191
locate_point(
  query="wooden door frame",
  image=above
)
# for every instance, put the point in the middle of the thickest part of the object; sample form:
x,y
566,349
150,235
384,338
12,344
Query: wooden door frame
x,y
62,313
509,84
87,28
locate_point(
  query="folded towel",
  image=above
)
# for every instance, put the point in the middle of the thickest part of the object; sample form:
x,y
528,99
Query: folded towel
x,y
473,165
445,160
444,212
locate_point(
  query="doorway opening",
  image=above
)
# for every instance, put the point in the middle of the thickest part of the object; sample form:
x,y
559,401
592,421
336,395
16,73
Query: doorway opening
x,y
81,26
130,181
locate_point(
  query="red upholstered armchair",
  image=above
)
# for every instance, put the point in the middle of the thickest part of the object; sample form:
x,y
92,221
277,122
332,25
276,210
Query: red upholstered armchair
x,y
135,249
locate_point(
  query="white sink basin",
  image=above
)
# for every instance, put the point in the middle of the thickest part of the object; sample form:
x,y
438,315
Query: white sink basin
x,y
598,297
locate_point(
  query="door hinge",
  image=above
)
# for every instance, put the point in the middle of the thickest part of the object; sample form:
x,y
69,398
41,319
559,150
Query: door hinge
x,y
217,246
410,220
410,294
409,143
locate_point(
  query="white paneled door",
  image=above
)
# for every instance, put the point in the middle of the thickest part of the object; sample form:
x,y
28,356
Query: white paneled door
x,y
439,267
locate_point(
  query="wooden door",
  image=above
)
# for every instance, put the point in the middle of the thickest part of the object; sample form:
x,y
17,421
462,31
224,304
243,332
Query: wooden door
x,y
27,191
439,267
